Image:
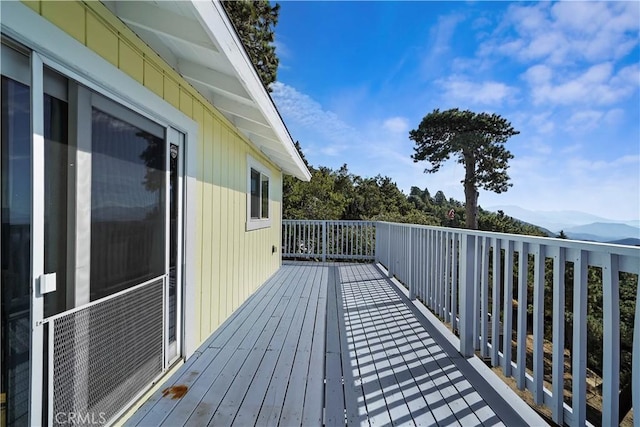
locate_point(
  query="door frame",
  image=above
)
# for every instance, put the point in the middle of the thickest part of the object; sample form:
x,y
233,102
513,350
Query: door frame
x,y
174,352
56,49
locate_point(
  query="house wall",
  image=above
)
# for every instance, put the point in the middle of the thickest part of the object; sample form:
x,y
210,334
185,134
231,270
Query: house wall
x,y
231,262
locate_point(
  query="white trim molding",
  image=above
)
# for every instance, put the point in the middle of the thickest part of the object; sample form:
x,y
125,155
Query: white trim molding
x,y
262,222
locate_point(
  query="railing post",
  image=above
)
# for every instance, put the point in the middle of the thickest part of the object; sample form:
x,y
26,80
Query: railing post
x,y
579,349
389,273
610,341
558,325
466,294
538,324
411,280
324,241
376,243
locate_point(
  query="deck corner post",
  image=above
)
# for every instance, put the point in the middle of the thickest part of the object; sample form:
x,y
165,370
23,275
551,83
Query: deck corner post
x,y
466,294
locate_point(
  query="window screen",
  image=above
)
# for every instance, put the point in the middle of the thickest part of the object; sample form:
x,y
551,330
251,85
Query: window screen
x,y
128,207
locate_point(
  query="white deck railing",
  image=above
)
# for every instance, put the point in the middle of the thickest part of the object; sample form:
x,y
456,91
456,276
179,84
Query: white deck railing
x,y
328,240
459,273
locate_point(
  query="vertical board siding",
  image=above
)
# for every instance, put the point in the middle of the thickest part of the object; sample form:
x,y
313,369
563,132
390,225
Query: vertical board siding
x,y
102,39
231,262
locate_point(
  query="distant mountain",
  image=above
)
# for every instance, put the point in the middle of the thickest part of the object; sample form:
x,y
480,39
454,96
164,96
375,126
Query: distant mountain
x,y
631,242
559,220
603,232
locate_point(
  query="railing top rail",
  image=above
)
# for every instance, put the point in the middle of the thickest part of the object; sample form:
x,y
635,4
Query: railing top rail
x,y
611,248
315,221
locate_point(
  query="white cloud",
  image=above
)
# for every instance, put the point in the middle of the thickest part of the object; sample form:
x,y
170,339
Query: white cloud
x,y
614,116
608,188
396,125
587,120
597,85
583,121
485,93
542,123
438,45
566,32
306,113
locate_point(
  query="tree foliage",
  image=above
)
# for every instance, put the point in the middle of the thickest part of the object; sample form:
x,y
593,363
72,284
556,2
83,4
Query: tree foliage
x,y
341,195
477,140
255,22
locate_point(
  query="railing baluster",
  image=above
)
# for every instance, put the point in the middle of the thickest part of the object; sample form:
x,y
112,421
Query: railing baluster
x,y
437,281
611,341
454,280
432,275
484,326
557,372
412,265
579,348
495,317
476,293
467,261
447,278
443,277
523,264
508,308
324,241
427,268
423,265
538,325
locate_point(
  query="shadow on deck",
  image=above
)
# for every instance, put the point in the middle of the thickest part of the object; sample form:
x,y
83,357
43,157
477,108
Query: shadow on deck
x,y
329,344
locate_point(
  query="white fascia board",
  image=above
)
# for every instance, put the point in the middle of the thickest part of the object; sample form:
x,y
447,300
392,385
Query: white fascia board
x,y
215,22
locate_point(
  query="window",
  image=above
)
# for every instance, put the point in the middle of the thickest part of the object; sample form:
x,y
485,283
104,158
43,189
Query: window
x,y
258,196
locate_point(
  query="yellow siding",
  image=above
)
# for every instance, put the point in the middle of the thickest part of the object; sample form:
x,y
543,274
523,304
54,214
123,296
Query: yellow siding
x,y
153,79
172,92
186,103
231,263
35,5
102,39
130,61
68,15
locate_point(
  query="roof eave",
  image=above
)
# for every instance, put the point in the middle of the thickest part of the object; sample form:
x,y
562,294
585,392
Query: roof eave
x,y
213,18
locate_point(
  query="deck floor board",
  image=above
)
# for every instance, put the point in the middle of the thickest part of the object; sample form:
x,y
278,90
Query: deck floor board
x,y
330,344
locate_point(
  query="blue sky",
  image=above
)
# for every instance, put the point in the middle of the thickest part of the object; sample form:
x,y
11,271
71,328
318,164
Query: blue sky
x,y
355,77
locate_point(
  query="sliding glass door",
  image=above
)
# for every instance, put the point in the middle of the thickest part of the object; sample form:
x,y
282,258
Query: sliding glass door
x,y
15,236
92,246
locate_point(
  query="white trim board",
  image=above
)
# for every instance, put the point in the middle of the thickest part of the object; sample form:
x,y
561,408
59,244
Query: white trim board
x,y
255,223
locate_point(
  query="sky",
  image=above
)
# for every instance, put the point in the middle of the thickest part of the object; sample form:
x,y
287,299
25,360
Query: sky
x,y
356,77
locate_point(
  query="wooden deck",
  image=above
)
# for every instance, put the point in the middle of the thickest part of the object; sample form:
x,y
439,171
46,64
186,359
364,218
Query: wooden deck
x,y
326,344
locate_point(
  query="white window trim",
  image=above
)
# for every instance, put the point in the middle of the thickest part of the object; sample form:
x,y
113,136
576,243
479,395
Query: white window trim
x,y
257,223
66,55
